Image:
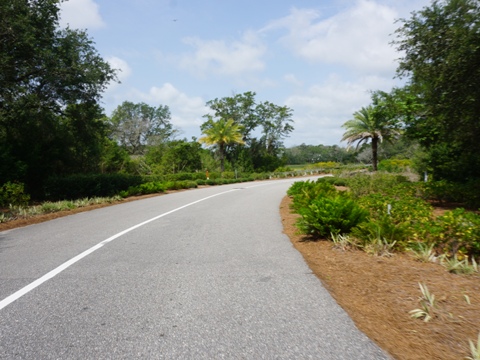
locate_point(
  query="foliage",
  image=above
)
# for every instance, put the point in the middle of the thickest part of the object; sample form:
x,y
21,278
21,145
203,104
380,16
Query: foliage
x,y
51,81
21,211
441,52
381,230
382,183
221,133
13,194
134,126
443,191
394,165
456,266
474,349
270,121
460,233
177,156
81,186
423,252
308,154
344,242
325,216
379,246
428,305
371,124
304,192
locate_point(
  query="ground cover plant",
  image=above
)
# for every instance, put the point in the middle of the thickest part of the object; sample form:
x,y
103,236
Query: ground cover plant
x,y
385,211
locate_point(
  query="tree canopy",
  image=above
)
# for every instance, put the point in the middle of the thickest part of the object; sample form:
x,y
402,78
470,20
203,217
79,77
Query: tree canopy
x,y
263,125
134,126
221,133
441,47
51,80
373,124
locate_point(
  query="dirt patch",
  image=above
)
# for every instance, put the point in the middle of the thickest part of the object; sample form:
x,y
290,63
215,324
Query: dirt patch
x,y
378,294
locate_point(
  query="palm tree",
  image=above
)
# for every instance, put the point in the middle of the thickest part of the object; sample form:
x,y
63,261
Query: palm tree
x,y
368,124
221,133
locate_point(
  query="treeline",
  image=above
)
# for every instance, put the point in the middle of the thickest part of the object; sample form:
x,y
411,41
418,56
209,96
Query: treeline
x,y
52,124
439,107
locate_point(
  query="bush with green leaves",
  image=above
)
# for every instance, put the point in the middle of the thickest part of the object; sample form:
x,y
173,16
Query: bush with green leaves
x,y
304,192
443,191
13,194
330,214
364,184
394,165
460,233
95,185
382,228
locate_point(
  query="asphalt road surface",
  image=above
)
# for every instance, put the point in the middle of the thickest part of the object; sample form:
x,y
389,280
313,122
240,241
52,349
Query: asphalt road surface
x,y
198,274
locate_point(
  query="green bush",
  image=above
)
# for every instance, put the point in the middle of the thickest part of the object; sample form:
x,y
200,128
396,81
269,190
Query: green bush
x,y
304,192
82,186
364,184
13,194
335,215
444,191
381,228
394,165
460,233
144,189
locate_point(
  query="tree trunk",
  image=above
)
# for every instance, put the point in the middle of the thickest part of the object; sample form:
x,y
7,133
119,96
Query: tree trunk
x,y
221,149
374,153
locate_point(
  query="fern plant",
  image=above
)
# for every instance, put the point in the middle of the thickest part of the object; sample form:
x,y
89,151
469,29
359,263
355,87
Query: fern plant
x,y
330,215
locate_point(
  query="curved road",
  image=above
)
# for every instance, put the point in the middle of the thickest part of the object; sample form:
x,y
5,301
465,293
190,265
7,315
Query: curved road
x,y
199,274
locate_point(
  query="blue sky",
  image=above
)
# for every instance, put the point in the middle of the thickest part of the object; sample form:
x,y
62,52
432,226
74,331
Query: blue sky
x,y
320,58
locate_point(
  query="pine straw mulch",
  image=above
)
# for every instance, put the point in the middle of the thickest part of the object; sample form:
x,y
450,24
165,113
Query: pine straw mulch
x,y
379,292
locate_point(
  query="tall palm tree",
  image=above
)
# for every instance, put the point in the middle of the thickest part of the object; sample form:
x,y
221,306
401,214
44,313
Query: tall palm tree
x,y
368,124
221,133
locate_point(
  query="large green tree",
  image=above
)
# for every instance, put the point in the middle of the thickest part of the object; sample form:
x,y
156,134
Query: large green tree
x,y
51,81
135,126
221,133
263,125
370,124
441,56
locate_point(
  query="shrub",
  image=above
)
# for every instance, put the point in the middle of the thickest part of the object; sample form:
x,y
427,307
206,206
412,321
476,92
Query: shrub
x,y
96,185
460,233
335,215
13,194
304,192
383,229
364,184
394,165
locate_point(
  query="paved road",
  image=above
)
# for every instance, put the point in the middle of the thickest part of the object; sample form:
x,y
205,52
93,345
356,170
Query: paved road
x,y
199,274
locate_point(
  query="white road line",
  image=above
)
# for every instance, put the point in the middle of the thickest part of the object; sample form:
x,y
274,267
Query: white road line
x,y
15,296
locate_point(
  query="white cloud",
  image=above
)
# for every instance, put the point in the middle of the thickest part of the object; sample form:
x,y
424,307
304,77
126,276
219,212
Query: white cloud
x,y
80,14
224,58
124,69
186,111
357,37
322,109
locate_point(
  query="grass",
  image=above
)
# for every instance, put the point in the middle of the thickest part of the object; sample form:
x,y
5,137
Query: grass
x,y
25,212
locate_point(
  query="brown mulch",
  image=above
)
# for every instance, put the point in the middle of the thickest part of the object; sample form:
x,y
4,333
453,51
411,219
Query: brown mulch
x,y
379,292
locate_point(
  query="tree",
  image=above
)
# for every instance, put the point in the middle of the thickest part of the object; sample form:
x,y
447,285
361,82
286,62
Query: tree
x,y
370,124
175,156
51,81
221,133
441,56
134,126
271,121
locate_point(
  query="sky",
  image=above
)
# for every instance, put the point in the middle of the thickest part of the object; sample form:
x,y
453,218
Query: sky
x,y
321,58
